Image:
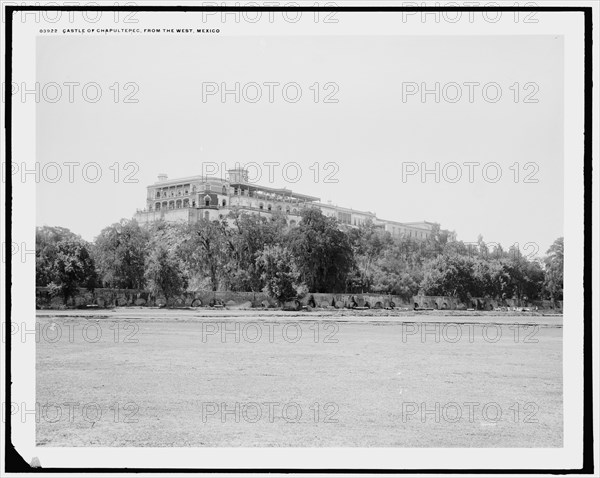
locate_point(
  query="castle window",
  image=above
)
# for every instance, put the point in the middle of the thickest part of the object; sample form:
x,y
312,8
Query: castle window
x,y
157,206
178,204
225,190
186,203
157,194
207,200
224,203
261,205
269,207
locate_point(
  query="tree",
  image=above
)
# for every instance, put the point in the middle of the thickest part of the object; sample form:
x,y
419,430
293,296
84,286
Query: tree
x,y
403,284
450,276
163,273
72,267
435,242
368,244
525,277
280,274
247,238
206,252
398,269
120,254
554,269
322,252
46,240
533,280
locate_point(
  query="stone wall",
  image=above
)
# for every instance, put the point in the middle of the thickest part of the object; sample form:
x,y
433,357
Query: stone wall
x,y
104,298
128,297
373,301
478,303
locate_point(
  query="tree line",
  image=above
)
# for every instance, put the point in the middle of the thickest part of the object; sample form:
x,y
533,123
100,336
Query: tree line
x,y
254,253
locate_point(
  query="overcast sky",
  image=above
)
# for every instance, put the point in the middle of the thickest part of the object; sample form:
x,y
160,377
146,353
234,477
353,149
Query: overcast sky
x,y
369,133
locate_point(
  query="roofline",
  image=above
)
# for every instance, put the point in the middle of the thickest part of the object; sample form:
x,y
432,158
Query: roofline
x,y
348,209
283,192
181,180
422,222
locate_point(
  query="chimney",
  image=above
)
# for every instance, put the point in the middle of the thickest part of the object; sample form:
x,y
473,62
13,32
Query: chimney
x,y
162,177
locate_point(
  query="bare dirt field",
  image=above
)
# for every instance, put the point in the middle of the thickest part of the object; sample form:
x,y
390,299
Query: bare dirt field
x,y
156,377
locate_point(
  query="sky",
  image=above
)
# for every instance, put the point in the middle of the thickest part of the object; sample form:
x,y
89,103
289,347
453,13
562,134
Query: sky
x,y
374,135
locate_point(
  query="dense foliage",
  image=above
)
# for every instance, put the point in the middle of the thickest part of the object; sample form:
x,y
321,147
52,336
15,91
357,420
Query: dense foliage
x,y
253,253
63,262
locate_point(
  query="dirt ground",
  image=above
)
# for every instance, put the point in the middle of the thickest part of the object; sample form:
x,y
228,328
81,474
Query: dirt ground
x,y
156,377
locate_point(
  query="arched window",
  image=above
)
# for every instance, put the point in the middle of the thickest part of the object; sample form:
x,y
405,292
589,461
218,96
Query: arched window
x,y
224,203
261,205
225,190
157,194
178,204
164,205
287,210
171,204
157,206
186,203
269,207
207,200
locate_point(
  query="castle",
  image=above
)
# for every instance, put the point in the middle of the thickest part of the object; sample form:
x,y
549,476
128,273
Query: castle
x,y
207,197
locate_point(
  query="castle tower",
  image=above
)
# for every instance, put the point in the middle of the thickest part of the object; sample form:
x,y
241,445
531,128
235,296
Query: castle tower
x,y
238,175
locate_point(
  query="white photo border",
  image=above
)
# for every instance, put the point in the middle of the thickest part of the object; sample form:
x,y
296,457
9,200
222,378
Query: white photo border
x,y
573,23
